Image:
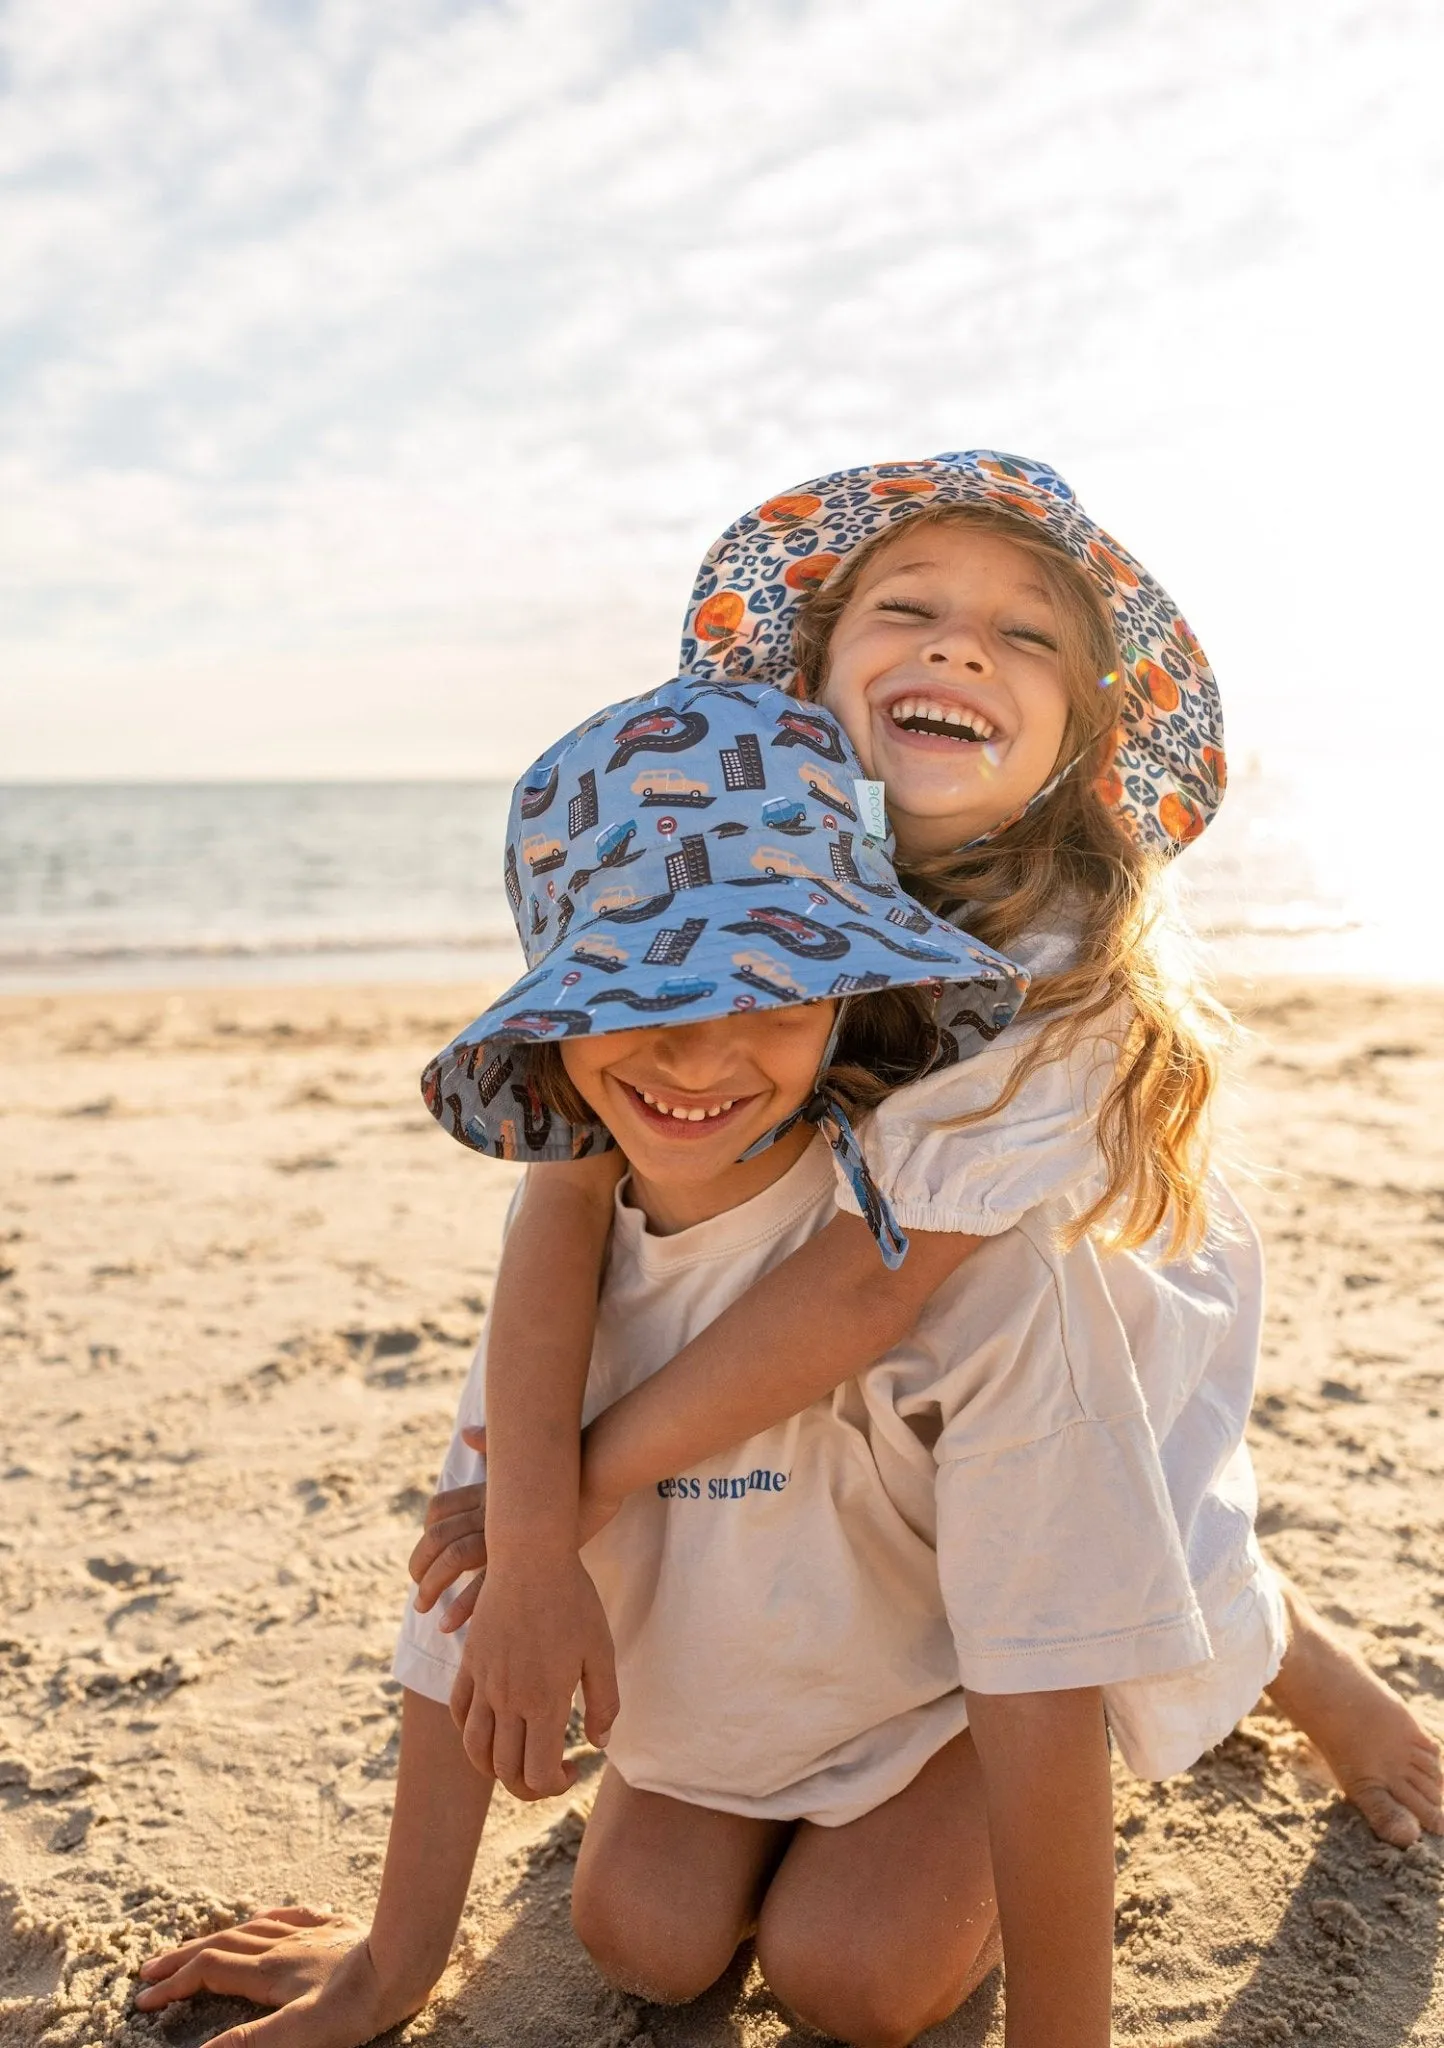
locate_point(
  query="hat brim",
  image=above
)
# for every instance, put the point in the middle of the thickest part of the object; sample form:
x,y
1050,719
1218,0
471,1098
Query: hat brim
x,y
793,939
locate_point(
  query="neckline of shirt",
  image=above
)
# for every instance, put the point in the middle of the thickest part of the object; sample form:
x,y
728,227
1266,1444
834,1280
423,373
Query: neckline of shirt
x,y
753,1222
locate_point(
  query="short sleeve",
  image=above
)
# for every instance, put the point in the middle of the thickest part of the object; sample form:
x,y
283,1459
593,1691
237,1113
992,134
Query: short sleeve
x,y
1060,1561
983,1178
1059,1553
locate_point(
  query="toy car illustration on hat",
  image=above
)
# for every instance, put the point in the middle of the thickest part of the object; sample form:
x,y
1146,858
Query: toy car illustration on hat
x,y
707,920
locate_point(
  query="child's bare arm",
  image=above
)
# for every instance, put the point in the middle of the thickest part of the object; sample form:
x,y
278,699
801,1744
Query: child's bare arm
x,y
334,1986
537,1627
824,1315
1050,1822
539,1344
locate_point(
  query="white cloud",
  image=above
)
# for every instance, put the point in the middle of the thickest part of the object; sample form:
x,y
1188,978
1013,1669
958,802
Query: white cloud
x,y
374,377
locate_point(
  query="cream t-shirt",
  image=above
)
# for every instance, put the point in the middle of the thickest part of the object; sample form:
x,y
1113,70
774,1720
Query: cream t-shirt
x,y
991,1505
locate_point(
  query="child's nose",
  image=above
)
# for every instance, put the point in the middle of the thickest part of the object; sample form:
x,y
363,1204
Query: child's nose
x,y
958,646
694,1054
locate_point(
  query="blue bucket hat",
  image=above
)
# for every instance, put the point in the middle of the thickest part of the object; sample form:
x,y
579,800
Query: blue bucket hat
x,y
705,849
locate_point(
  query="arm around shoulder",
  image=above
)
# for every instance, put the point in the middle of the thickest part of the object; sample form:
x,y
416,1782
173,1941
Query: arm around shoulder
x,y
826,1313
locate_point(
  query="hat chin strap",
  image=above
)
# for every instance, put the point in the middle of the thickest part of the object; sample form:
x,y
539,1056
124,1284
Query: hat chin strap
x,y
828,1114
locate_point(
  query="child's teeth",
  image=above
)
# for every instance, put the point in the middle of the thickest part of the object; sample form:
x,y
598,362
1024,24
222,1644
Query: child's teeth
x,y
684,1116
943,714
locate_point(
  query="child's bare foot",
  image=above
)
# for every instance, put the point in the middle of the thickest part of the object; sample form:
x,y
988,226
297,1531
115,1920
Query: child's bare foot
x,y
1385,1760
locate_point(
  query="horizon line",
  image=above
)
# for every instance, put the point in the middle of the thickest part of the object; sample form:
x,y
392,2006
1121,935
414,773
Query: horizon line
x,y
245,781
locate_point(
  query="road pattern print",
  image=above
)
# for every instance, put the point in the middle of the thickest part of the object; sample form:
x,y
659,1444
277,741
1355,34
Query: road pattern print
x,y
681,856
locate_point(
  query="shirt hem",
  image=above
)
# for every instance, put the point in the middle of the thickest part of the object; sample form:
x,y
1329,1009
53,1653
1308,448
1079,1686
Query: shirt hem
x,y
420,1672
1230,1687
1150,1652
824,1796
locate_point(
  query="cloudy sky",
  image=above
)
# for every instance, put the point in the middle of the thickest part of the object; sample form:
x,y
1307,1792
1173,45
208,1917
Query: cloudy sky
x,y
372,377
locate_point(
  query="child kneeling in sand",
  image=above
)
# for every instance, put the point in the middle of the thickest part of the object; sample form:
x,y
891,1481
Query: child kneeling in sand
x,y
867,1659
1047,734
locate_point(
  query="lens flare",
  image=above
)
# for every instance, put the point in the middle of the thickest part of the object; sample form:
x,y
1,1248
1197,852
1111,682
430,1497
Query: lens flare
x,y
989,759
1107,682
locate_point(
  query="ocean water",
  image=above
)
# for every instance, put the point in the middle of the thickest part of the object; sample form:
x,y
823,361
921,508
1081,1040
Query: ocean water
x,y
172,884
184,884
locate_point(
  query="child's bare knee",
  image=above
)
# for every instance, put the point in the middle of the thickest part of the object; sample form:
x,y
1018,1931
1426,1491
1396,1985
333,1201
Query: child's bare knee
x,y
847,1998
644,1951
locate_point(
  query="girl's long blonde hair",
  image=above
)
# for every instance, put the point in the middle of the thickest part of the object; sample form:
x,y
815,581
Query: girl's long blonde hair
x,y
1070,864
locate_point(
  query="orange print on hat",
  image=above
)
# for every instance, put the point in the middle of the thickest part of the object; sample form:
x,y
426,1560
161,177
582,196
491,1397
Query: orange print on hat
x,y
789,510
810,571
1109,786
1113,564
1181,819
1161,688
720,616
1183,634
903,487
1006,472
1034,507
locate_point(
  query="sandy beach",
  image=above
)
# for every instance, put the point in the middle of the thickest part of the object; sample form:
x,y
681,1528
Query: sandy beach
x,y
241,1273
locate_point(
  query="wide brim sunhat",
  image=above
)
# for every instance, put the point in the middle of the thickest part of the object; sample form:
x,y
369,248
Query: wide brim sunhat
x,y
690,854
1167,775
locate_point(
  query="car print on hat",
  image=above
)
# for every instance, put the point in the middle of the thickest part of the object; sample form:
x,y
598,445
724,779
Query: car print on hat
x,y
704,920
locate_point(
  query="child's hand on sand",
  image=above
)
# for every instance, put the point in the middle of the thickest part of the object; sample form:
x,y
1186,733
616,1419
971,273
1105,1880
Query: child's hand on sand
x,y
317,1968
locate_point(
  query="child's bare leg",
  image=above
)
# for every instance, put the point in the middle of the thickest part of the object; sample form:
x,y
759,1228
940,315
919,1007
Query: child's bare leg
x,y
874,1931
665,1891
1385,1760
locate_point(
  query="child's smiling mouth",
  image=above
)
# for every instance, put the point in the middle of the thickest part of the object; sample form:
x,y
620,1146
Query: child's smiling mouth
x,y
929,715
676,1115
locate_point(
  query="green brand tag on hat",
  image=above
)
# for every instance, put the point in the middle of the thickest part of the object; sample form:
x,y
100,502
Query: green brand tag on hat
x,y
871,807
